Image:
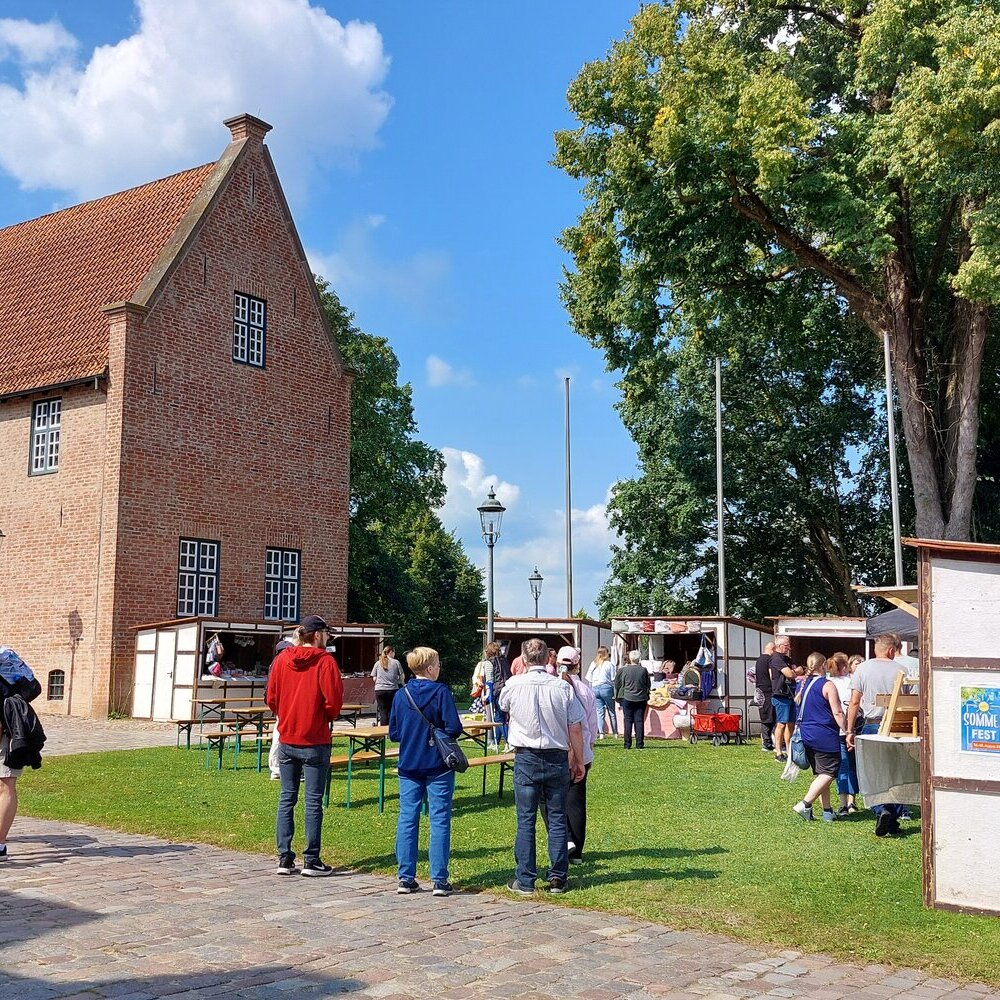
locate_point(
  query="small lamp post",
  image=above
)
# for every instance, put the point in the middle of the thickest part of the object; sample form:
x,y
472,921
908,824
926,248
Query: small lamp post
x,y
535,582
490,516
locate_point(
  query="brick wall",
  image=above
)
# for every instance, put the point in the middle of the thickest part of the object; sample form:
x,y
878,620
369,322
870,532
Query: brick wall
x,y
217,450
50,557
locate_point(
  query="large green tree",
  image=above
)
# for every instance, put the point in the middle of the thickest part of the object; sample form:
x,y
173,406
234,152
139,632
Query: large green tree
x,y
404,569
729,146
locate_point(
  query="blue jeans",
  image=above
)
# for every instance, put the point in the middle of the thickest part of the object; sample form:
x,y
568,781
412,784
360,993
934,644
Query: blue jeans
x,y
540,776
870,729
293,762
439,789
847,776
604,695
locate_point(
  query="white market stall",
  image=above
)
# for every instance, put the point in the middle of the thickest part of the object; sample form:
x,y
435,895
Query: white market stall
x,y
959,602
172,662
827,634
736,644
583,633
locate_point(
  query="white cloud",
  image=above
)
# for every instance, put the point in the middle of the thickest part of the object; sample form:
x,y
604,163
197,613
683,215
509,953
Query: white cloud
x,y
358,268
154,102
440,374
467,484
28,42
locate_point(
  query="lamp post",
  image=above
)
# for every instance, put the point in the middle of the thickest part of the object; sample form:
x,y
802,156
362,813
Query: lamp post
x,y
490,516
535,582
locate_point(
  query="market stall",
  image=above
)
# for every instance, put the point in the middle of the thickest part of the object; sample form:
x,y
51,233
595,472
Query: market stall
x,y
959,601
734,645
583,633
178,662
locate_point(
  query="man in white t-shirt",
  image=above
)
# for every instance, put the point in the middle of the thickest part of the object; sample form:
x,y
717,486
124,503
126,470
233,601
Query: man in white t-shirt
x,y
874,677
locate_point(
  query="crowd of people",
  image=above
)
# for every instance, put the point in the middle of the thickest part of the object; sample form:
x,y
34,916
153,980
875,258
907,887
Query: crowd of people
x,y
551,716
832,700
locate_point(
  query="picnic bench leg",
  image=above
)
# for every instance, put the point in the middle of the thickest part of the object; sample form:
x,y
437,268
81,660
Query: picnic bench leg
x,y
503,767
484,781
236,750
260,751
187,729
350,761
381,780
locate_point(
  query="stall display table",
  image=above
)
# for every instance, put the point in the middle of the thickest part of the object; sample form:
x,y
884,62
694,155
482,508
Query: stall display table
x,y
889,770
660,721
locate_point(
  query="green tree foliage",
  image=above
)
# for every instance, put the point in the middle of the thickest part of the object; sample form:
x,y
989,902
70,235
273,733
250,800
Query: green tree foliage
x,y
805,511
728,147
405,570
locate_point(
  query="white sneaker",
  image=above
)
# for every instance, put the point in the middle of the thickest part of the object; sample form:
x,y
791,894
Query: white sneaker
x,y
803,810
570,846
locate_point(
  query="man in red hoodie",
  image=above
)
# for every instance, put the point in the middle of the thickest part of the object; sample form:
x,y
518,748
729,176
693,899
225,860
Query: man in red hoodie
x,y
305,691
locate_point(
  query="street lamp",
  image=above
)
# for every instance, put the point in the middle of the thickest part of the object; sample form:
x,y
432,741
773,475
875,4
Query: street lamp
x,y
535,582
490,516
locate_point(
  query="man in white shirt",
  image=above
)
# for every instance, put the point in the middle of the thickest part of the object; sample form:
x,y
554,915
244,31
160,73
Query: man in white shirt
x,y
545,733
871,678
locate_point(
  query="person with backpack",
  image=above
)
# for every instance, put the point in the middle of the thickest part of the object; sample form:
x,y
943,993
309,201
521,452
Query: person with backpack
x,y
21,734
421,704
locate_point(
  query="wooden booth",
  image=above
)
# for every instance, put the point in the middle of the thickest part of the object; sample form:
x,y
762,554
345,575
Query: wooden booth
x,y
173,667
583,633
959,601
736,644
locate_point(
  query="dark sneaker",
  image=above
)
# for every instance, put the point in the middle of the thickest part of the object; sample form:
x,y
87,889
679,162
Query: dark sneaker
x,y
521,890
3,853
843,812
286,865
406,886
557,886
442,889
885,823
316,869
576,861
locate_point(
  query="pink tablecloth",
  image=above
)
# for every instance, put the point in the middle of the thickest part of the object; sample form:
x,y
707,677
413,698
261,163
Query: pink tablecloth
x,y
660,721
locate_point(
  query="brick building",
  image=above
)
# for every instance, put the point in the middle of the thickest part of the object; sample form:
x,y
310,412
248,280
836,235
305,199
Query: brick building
x,y
174,422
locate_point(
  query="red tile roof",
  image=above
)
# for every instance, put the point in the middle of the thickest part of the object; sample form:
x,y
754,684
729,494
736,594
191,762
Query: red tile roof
x,y
58,271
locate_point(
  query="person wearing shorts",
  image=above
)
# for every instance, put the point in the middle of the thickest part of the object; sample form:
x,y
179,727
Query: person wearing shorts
x,y
8,794
821,721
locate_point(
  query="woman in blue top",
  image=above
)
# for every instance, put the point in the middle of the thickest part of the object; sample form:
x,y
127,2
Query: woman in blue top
x,y
421,770
821,721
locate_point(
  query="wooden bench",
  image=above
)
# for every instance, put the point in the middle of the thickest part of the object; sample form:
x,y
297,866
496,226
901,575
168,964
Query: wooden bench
x,y
216,740
505,760
348,760
184,726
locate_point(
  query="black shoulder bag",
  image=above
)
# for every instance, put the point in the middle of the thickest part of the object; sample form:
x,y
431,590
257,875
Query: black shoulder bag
x,y
452,755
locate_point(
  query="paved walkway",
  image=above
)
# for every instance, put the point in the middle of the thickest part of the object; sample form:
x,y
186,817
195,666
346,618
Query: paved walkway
x,y
88,913
68,735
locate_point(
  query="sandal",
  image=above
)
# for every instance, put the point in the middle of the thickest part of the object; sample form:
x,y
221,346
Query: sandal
x,y
852,809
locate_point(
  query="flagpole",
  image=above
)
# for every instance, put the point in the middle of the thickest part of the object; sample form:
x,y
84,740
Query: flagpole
x,y
569,517
719,504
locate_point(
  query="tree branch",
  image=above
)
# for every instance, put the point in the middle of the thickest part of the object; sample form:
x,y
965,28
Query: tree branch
x,y
847,26
868,308
937,257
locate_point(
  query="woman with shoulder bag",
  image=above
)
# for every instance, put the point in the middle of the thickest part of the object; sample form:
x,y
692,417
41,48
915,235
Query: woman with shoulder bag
x,y
423,703
821,721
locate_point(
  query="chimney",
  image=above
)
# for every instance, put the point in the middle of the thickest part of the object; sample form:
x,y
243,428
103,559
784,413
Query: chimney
x,y
247,127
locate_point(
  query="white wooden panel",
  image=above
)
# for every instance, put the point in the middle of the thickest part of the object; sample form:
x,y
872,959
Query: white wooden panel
x,y
163,684
182,703
948,759
142,691
965,592
965,863
737,640
184,670
738,676
145,641
187,639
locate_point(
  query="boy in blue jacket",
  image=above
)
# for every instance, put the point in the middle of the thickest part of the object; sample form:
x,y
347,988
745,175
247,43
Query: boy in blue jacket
x,y
422,771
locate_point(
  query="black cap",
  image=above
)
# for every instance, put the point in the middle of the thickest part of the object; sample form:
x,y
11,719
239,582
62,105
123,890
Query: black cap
x,y
313,623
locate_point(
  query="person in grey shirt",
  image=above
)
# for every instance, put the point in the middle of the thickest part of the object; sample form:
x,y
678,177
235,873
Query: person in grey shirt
x,y
546,734
632,688
874,677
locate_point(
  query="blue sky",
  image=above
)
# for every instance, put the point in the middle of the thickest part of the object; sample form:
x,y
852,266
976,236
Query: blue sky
x,y
414,147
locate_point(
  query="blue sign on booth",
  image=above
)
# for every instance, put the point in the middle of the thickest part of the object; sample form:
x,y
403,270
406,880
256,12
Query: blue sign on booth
x,y
981,720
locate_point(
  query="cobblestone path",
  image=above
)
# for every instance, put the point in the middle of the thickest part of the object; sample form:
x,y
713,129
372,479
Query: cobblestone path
x,y
88,913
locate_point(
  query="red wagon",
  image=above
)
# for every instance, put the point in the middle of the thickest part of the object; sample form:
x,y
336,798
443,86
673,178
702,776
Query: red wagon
x,y
720,727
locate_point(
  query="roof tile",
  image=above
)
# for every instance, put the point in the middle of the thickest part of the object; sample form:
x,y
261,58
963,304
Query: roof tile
x,y
57,272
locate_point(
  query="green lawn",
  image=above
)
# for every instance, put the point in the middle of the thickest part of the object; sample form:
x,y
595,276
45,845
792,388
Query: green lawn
x,y
693,837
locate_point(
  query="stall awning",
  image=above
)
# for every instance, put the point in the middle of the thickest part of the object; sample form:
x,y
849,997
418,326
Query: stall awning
x,y
898,620
901,597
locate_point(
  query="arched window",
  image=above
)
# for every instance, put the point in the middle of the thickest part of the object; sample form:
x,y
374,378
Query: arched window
x,y
57,684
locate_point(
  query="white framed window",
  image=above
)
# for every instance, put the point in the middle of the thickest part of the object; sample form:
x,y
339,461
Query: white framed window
x,y
249,330
197,578
46,427
282,584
